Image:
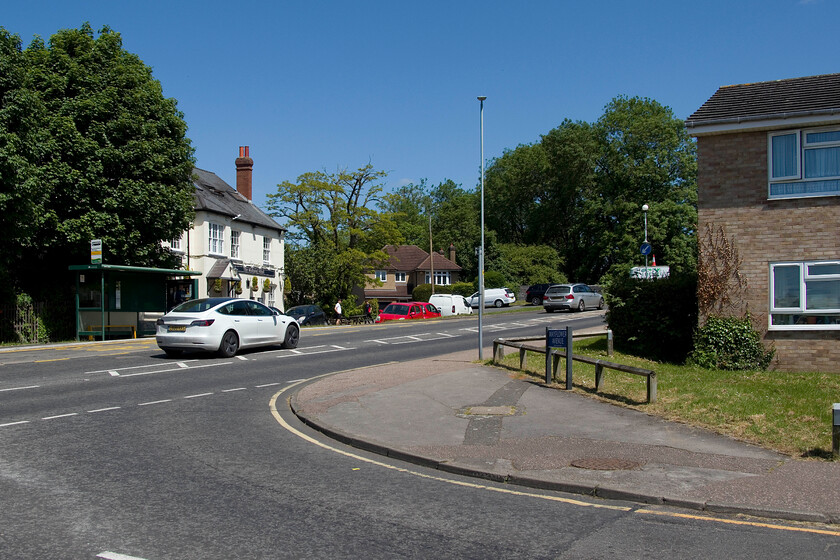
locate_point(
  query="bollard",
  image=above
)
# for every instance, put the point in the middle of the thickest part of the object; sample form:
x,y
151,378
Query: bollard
x,y
835,431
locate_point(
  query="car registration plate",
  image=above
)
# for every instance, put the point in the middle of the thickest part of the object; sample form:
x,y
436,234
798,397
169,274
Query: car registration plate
x,y
177,328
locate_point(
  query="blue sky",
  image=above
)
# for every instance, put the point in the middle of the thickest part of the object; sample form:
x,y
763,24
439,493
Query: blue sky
x,y
312,85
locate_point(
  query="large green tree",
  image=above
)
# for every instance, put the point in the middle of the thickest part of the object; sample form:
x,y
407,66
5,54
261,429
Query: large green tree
x,y
580,190
336,235
89,148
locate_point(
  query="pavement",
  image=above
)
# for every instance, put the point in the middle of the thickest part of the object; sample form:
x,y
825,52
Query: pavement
x,y
462,417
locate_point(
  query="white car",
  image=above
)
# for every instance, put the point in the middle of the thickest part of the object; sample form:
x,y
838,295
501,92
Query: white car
x,y
224,325
497,297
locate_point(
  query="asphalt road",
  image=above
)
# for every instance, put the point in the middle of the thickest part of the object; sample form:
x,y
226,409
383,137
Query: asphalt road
x,y
116,451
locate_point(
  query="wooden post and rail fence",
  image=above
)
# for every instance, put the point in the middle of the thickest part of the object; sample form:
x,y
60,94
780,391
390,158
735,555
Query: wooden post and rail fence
x,y
540,345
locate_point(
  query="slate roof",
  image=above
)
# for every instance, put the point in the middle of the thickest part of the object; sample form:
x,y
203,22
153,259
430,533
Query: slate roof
x,y
407,258
212,194
780,99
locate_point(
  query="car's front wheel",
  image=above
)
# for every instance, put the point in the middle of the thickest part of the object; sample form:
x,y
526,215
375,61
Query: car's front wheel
x,y
229,345
292,337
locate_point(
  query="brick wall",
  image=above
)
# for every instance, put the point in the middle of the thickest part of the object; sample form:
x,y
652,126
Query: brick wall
x,y
732,192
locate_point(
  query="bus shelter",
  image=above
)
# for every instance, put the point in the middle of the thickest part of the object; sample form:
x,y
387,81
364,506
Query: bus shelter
x,y
125,301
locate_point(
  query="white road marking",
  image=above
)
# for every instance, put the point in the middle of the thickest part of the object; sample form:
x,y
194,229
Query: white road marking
x,y
20,388
236,389
105,409
113,373
199,395
155,402
107,555
243,358
267,385
14,423
135,367
60,416
168,370
182,365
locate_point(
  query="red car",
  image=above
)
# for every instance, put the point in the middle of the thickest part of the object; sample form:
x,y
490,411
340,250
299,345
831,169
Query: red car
x,y
398,311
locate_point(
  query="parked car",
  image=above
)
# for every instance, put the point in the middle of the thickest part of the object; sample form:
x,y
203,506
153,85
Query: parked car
x,y
571,297
307,315
224,325
534,294
496,297
451,304
399,311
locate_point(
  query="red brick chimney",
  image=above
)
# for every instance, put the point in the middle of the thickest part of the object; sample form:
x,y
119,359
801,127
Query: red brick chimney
x,y
452,252
244,169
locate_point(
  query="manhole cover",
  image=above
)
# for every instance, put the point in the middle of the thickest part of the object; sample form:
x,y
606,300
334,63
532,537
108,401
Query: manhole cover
x,y
605,464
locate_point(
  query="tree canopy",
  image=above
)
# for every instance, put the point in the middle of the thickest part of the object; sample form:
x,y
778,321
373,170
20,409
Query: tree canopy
x,y
335,235
580,190
89,148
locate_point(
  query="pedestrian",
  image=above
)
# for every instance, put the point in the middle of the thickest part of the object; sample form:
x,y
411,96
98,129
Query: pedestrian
x,y
368,309
338,312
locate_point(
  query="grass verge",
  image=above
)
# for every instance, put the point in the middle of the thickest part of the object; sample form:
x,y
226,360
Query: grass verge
x,y
788,412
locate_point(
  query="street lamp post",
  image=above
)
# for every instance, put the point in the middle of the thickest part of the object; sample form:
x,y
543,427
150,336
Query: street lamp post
x,y
481,99
645,208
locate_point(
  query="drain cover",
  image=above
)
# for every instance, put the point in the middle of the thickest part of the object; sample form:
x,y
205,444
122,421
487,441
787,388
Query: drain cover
x,y
605,464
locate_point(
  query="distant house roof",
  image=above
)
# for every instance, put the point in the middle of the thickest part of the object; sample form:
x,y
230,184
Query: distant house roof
x,y
212,194
810,100
411,257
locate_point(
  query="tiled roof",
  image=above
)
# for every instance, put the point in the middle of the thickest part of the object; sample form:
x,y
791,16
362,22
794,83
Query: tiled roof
x,y
212,194
411,257
812,95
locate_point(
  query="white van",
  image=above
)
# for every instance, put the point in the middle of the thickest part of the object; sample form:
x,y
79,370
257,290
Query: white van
x,y
497,297
451,304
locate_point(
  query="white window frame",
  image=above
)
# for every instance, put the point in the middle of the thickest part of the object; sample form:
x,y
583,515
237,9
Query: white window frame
x,y
381,275
798,185
216,239
442,278
804,318
266,250
177,244
235,235
400,277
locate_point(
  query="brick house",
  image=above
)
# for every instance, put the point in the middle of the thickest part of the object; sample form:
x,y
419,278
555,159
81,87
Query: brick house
x,y
408,267
768,159
232,241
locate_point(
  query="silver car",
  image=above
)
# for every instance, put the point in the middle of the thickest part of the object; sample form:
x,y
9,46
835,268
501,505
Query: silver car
x,y
571,297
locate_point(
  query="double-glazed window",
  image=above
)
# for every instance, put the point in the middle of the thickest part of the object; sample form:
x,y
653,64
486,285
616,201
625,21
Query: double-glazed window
x,y
176,244
399,277
217,239
381,275
266,250
804,163
805,295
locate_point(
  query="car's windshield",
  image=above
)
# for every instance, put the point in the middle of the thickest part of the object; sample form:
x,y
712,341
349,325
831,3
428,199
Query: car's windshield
x,y
396,309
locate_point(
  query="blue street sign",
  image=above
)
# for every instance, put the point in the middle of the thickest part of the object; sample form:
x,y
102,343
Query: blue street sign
x,y
556,338
646,248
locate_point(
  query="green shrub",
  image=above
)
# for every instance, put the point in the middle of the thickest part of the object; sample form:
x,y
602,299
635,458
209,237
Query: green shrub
x,y
492,279
424,291
465,289
654,319
730,343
